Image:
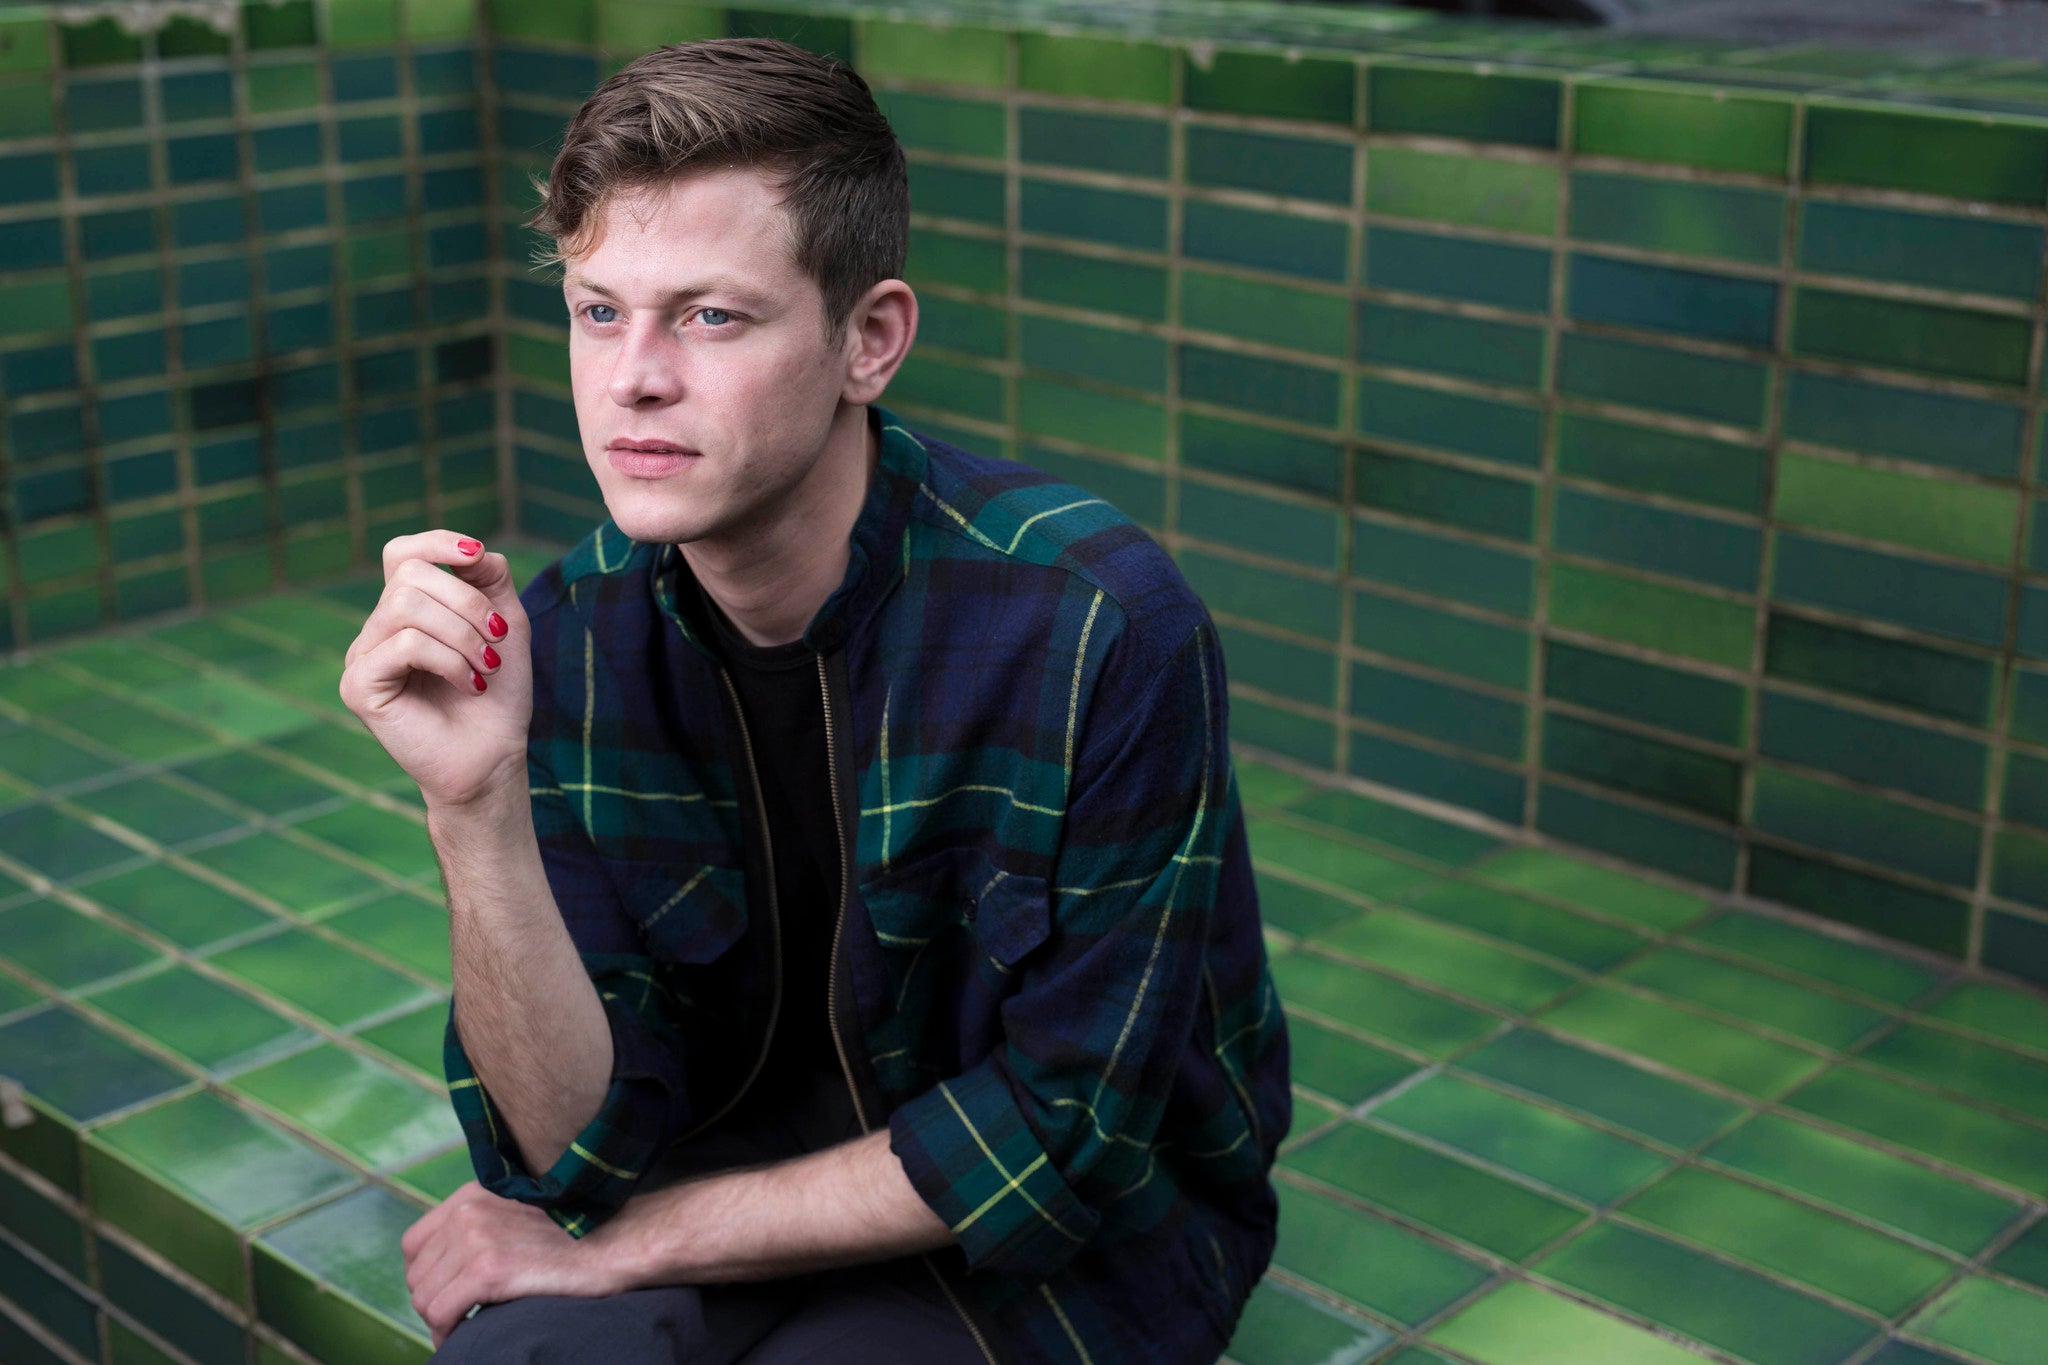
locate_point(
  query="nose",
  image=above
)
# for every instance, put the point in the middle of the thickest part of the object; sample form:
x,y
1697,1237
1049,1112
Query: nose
x,y
646,372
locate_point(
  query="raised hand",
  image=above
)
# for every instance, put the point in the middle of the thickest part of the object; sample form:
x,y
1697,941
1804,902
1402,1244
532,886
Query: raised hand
x,y
441,672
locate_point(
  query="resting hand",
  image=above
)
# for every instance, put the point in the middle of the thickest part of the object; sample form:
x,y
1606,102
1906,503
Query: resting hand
x,y
476,1248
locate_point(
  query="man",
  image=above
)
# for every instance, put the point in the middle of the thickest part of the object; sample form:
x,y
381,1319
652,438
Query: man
x,y
856,954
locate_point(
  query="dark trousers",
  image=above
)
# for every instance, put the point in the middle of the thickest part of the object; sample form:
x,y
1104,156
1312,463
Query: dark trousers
x,y
882,1313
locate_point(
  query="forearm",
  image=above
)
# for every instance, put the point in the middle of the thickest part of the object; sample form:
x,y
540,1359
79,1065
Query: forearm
x,y
528,1016
842,1206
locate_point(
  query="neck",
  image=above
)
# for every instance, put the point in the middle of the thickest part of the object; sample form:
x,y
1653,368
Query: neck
x,y
770,580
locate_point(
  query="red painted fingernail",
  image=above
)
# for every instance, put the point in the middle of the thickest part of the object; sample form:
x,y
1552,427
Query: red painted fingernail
x,y
477,678
490,657
496,624
469,547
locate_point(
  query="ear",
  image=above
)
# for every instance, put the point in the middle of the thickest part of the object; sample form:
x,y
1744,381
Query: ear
x,y
879,331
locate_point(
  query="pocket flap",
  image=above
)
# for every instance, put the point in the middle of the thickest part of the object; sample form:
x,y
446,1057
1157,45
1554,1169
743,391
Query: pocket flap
x,y
914,902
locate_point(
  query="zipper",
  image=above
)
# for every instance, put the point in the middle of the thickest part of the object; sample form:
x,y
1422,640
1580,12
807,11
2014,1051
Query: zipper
x,y
832,994
774,914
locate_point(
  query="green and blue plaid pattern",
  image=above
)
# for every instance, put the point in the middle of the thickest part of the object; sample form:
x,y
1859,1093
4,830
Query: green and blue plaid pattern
x,y
1052,937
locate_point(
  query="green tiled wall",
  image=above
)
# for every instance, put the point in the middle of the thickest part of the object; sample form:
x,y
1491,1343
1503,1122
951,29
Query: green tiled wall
x,y
1638,444
245,303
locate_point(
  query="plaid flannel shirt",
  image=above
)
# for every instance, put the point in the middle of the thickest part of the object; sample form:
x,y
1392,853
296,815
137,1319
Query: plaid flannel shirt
x,y
1053,988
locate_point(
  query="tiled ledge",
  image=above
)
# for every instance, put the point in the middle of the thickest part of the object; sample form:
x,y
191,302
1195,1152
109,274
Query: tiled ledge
x,y
1546,1109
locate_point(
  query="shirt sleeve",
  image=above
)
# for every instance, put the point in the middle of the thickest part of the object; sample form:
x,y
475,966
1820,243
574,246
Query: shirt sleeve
x,y
1021,1153
646,1102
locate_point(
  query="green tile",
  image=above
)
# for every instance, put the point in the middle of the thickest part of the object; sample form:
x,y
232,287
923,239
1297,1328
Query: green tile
x,y
362,23
1110,287
38,758
176,905
1340,1066
1968,520
1653,694
438,1176
1713,388
274,89
1450,960
1935,681
407,929
184,1178
1258,311
1480,105
1394,827
1286,530
1869,971
1521,1324
1438,710
1098,142
1382,1268
1486,428
1480,349
1576,940
333,1280
67,948
1997,1010
1877,904
1929,338
1988,1075
1338,862
1713,551
319,976
1959,155
1826,1020
1465,645
1877,1186
1585,885
302,880
930,52
394,842
1386,1008
99,42
1502,274
415,1038
1717,1052
1706,1299
1601,1087
1299,168
362,1107
1654,615
1272,85
828,35
1468,190
50,842
939,124
1102,68
1928,762
1458,1200
1568,1155
1108,355
25,43
1940,251
1968,1139
1710,129
36,306
1992,1320
1730,222
1311,248
1132,425
1822,1251
1865,825
1279,1326
157,809
2027,1257
524,19
1637,834
211,1025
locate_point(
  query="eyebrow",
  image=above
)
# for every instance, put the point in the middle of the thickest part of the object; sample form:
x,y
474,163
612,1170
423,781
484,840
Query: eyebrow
x,y
715,285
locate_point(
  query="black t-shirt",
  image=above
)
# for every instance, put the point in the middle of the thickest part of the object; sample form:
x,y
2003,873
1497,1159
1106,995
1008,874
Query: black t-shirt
x,y
780,695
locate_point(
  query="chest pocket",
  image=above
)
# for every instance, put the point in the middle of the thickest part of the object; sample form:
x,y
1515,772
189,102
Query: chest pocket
x,y
686,913
959,889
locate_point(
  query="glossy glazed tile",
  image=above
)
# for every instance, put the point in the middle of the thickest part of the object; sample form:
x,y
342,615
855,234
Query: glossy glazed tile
x,y
333,1280
187,1177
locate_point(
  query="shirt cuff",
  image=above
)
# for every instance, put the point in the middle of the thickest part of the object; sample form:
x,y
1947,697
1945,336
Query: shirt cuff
x,y
603,1163
971,1156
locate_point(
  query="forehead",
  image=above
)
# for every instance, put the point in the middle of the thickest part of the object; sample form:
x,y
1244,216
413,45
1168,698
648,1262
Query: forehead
x,y
729,216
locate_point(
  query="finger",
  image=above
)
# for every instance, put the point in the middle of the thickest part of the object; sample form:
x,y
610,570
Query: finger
x,y
378,677
454,1300
457,613
436,547
423,1229
440,1262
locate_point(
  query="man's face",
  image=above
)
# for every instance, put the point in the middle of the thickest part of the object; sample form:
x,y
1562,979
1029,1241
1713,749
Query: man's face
x,y
692,329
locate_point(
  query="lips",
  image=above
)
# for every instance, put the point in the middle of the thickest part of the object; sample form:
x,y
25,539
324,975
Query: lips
x,y
652,447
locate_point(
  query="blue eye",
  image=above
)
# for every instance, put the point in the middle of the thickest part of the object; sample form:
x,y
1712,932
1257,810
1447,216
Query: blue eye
x,y
594,309
717,317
